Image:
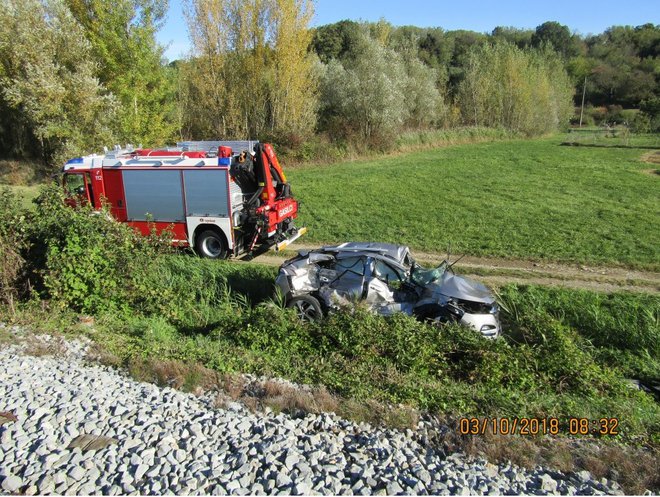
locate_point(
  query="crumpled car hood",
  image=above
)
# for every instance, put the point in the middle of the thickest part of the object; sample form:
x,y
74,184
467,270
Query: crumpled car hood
x,y
459,287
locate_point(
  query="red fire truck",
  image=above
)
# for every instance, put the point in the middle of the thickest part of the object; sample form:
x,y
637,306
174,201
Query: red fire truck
x,y
222,198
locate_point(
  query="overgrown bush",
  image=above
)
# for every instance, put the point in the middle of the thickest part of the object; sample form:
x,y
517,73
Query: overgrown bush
x,y
52,104
79,259
13,282
376,93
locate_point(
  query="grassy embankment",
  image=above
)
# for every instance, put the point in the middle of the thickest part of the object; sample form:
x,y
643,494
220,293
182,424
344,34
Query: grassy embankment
x,y
564,354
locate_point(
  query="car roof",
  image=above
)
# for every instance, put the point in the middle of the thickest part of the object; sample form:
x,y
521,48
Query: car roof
x,y
396,253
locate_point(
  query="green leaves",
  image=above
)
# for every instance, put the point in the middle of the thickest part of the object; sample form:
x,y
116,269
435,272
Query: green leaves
x,y
374,92
122,38
526,91
49,81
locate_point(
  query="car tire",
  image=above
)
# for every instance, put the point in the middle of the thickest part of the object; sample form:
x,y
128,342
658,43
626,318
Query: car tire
x,y
211,245
307,307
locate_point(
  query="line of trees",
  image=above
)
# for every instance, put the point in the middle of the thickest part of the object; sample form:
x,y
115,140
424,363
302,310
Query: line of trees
x,y
79,74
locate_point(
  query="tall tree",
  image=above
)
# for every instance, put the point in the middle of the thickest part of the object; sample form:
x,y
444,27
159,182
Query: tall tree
x,y
559,36
377,92
122,34
527,91
251,66
53,104
293,88
333,41
522,38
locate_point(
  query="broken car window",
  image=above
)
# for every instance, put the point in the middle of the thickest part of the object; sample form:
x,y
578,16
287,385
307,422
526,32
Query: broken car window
x,y
423,276
352,264
386,273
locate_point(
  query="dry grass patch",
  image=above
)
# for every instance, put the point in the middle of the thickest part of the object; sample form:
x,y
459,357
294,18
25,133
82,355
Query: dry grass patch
x,y
100,354
193,378
651,157
259,395
37,346
635,469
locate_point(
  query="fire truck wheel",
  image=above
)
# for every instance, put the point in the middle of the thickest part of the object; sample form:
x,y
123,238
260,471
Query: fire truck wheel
x,y
211,245
307,307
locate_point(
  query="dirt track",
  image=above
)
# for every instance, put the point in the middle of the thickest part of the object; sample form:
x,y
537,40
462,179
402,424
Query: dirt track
x,y
497,272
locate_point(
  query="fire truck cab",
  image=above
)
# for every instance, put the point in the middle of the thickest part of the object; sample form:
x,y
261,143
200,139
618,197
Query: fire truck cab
x,y
221,198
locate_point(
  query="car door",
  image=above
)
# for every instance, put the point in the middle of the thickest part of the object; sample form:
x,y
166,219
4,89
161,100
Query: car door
x,y
348,279
381,286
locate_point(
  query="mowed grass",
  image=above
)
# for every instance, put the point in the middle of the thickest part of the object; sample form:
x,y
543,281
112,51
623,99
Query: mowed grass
x,y
532,199
25,194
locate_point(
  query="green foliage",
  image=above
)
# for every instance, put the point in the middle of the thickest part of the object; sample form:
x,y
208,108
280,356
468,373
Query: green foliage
x,y
375,92
78,258
334,41
12,243
558,36
159,288
53,106
544,367
521,90
619,320
558,357
623,65
251,72
122,34
650,112
522,38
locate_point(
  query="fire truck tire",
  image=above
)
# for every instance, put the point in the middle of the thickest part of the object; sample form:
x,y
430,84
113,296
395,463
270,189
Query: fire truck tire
x,y
307,307
211,245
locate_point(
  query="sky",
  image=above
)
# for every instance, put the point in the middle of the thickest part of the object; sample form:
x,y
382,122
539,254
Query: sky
x,y
581,16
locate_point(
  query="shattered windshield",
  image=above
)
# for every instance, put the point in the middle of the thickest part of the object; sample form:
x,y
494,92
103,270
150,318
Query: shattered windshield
x,y
423,276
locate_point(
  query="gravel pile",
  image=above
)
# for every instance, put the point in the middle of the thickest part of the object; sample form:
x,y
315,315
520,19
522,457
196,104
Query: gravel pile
x,y
135,438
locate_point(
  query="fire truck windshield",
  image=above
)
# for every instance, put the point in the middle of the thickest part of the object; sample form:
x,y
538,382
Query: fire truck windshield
x,y
74,185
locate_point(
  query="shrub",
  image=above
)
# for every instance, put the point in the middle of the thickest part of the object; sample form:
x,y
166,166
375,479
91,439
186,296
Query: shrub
x,y
13,281
82,259
372,95
651,109
527,91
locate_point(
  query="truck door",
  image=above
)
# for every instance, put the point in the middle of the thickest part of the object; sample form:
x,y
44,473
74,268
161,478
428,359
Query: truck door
x,y
77,188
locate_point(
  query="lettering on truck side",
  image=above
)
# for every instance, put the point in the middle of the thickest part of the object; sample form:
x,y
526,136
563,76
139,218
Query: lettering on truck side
x,y
285,211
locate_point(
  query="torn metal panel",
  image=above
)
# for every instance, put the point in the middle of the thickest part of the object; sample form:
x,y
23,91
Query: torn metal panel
x,y
388,280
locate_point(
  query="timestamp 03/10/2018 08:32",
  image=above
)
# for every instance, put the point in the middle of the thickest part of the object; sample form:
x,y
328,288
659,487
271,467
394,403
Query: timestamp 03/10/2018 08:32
x,y
538,426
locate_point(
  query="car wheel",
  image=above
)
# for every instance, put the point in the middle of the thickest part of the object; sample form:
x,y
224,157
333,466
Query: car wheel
x,y
307,307
211,245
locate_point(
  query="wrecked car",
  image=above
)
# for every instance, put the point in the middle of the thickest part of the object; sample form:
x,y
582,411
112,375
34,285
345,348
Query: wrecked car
x,y
388,280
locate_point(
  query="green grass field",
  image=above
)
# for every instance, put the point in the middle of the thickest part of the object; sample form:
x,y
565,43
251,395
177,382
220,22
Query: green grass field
x,y
533,199
26,194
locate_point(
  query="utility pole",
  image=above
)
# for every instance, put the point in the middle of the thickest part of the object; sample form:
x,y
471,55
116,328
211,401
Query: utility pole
x,y
584,90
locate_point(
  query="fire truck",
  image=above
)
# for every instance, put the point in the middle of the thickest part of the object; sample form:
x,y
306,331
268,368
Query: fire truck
x,y
222,198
